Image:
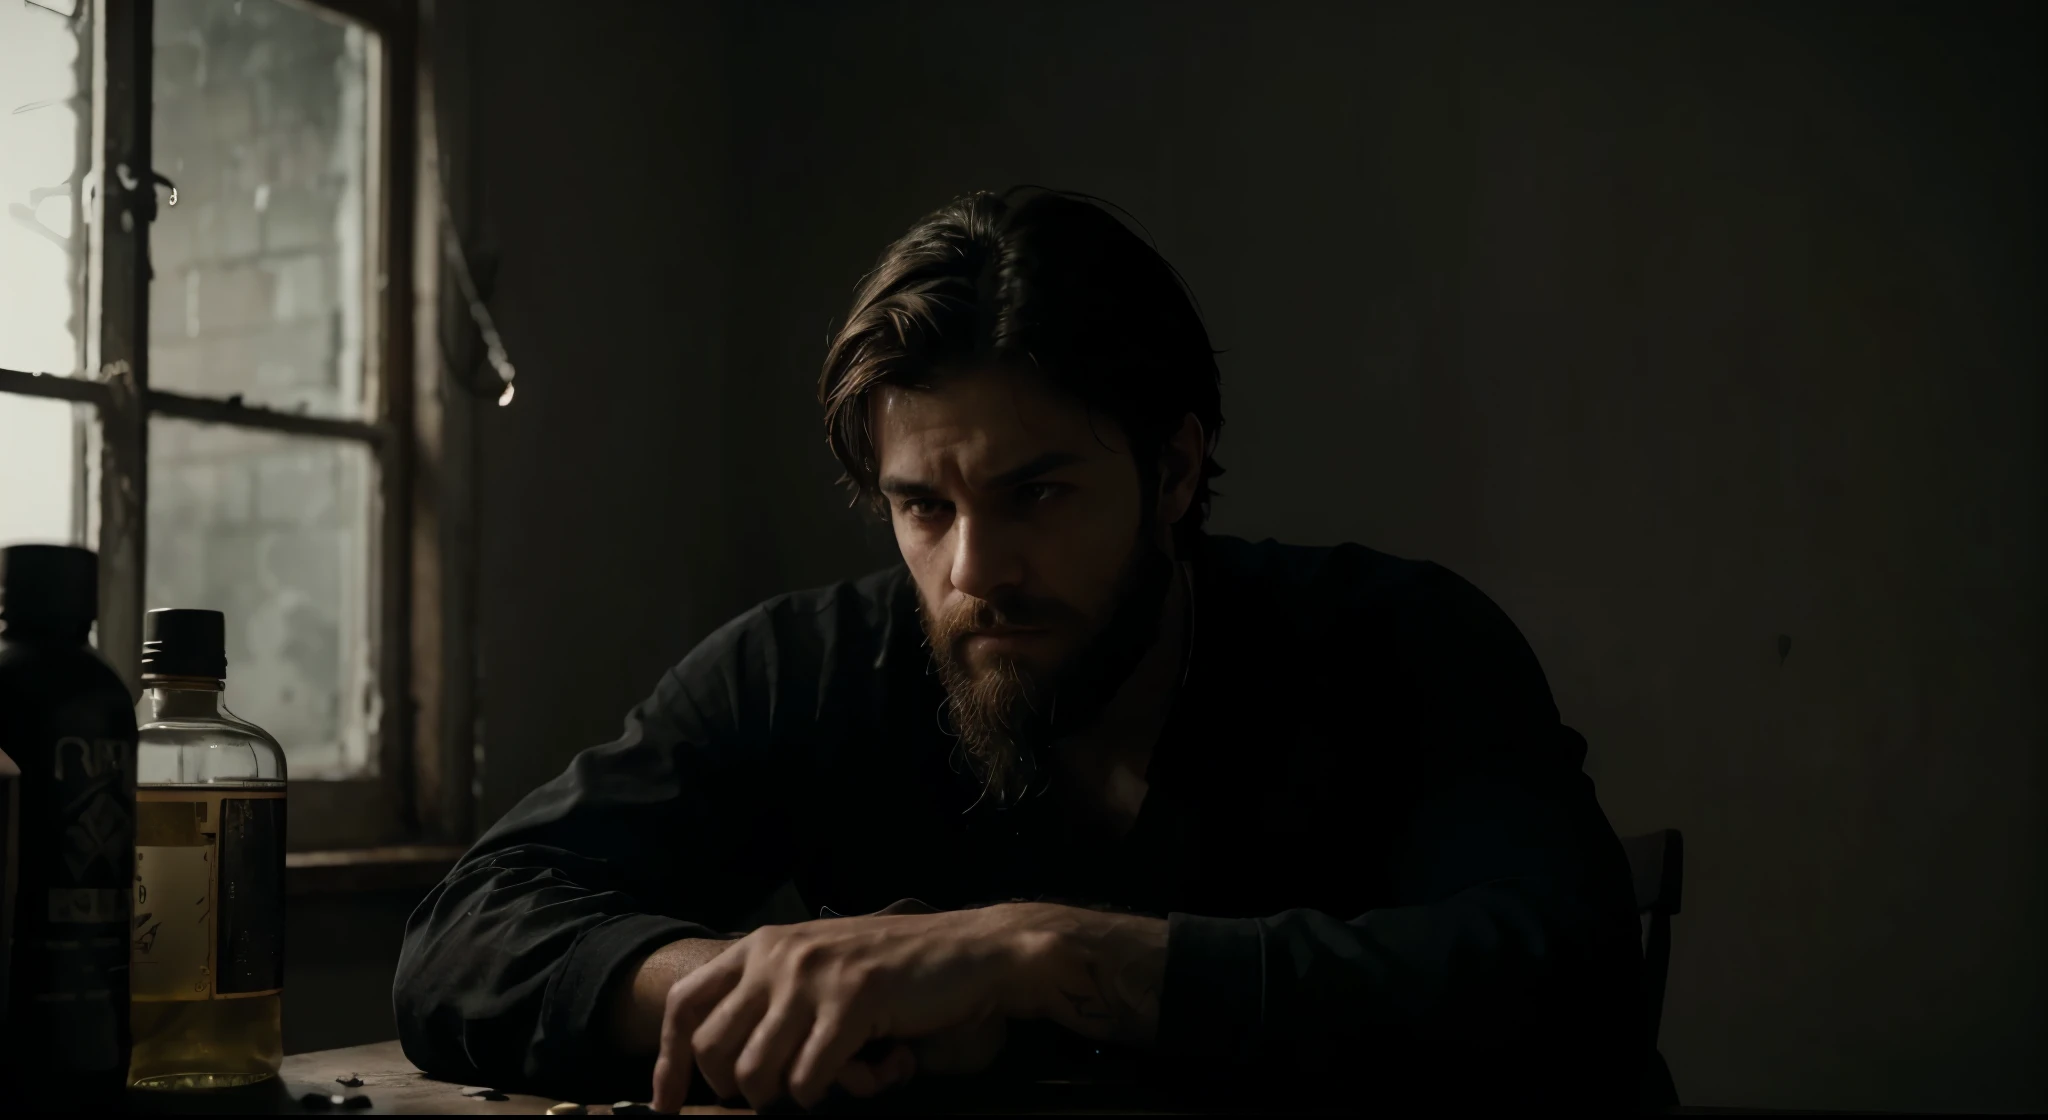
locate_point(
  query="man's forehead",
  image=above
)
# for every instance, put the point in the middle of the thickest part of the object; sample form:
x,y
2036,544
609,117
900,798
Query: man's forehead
x,y
985,420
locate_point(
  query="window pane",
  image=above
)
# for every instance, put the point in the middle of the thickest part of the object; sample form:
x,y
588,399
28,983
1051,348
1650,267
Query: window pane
x,y
274,531
261,119
45,138
40,471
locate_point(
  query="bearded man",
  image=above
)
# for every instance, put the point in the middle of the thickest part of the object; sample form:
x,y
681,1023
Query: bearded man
x,y
1284,817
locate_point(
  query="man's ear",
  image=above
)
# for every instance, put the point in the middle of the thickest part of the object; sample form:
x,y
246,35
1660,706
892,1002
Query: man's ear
x,y
1180,469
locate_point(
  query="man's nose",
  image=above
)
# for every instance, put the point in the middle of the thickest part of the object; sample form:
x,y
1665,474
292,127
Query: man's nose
x,y
987,558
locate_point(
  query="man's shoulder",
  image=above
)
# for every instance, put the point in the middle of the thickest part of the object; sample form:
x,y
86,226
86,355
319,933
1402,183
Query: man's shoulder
x,y
847,617
1423,623
1324,583
814,657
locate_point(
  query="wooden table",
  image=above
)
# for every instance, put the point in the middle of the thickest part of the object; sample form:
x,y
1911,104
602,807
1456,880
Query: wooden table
x,y
396,1088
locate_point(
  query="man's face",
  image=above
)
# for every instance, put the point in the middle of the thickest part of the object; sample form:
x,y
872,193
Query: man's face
x,y
1020,516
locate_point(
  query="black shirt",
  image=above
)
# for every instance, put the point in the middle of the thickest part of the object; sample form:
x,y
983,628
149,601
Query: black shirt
x,y
1368,830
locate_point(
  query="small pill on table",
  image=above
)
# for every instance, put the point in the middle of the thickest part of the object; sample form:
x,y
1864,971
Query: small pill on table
x,y
566,1108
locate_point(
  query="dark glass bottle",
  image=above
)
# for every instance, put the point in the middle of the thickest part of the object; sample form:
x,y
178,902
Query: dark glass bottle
x,y
68,725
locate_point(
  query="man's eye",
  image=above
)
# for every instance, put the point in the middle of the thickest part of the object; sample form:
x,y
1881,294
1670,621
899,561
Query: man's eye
x,y
924,509
1036,492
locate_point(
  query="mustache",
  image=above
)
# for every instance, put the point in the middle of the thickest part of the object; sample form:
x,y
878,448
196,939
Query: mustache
x,y
970,615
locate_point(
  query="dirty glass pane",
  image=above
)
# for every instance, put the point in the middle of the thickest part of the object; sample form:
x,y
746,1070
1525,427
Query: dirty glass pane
x,y
41,471
262,120
45,142
274,531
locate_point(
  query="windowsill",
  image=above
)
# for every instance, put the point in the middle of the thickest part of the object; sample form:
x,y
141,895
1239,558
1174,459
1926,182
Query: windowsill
x,y
396,868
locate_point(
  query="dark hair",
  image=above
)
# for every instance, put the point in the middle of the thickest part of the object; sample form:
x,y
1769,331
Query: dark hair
x,y
1049,280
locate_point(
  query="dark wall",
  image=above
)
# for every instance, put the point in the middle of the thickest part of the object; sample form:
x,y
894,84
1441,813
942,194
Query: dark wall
x,y
1706,339
600,169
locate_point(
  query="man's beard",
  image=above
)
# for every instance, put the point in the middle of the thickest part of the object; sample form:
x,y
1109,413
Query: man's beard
x,y
1006,714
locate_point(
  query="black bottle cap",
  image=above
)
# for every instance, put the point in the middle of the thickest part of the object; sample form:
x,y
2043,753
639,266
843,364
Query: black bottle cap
x,y
49,583
177,642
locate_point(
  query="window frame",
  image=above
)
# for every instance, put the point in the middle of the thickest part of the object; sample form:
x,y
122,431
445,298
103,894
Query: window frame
x,y
419,428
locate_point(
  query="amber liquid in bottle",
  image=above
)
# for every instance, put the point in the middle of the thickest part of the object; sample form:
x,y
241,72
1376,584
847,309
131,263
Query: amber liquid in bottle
x,y
206,980
206,963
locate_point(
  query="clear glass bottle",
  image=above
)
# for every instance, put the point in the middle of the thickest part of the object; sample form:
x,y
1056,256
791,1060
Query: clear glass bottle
x,y
206,969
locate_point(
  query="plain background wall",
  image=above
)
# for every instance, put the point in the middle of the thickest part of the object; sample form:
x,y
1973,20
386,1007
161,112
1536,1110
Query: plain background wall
x,y
1705,339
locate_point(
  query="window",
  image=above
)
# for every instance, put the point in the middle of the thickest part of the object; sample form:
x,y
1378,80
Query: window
x,y
45,129
207,322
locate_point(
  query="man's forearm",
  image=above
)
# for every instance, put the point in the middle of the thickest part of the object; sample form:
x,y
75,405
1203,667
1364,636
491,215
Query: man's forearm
x,y
636,1004
1098,974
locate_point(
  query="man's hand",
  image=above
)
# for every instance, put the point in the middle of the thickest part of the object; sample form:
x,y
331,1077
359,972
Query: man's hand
x,y
958,1052
784,1011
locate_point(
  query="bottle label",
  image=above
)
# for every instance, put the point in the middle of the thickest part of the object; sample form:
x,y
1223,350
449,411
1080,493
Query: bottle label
x,y
86,905
209,895
72,910
173,944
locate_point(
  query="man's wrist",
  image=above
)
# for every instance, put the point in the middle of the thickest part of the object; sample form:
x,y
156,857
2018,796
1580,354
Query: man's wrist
x,y
1097,973
635,1006
1034,939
